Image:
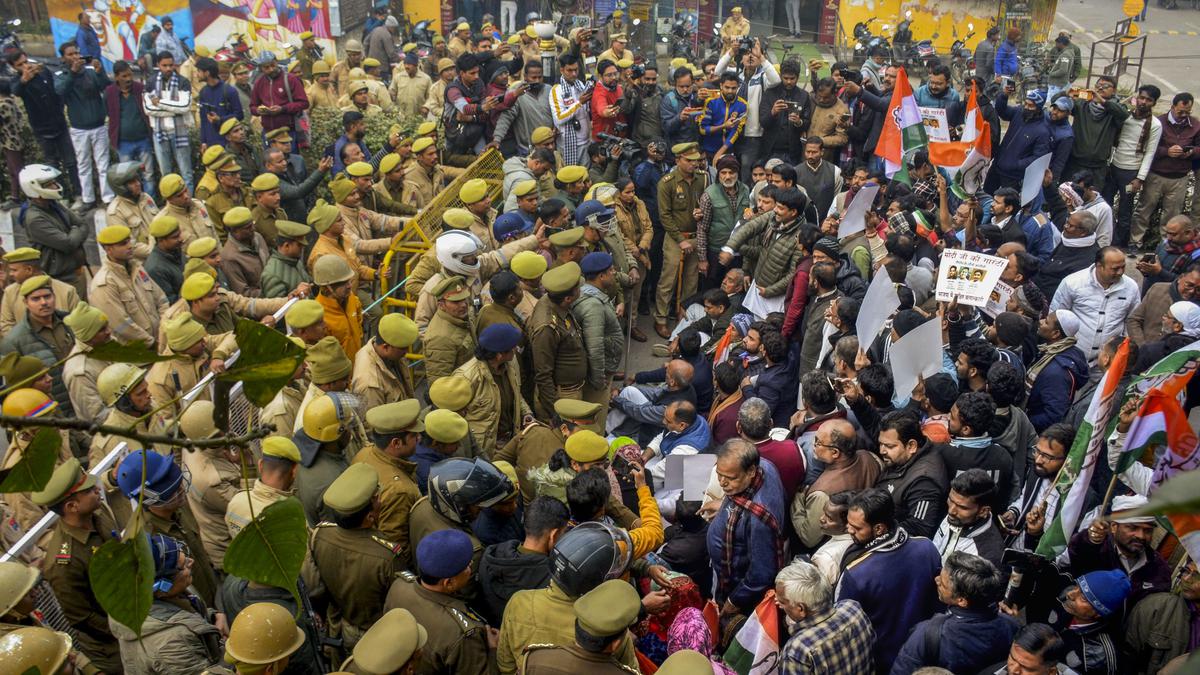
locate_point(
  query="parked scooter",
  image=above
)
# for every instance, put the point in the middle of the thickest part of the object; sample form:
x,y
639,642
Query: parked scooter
x,y
962,60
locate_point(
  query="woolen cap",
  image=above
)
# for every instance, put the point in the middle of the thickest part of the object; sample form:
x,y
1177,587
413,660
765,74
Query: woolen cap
x,y
182,332
499,337
595,263
327,361
85,321
542,135
322,216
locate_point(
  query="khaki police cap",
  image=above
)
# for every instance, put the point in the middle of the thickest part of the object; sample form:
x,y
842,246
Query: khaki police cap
x,y
163,226
389,163
445,426
304,314
113,234
202,247
542,135
582,412
67,479
359,170
459,219
229,125
398,330
686,150
23,254
371,62
352,490
283,134
586,446
390,643
237,217
393,418
292,230
264,182
452,288
571,174
566,238
444,64
473,191
562,278
608,609
452,392
525,187
226,164
281,447
327,361
33,283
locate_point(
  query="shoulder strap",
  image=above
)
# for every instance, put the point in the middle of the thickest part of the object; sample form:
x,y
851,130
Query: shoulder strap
x,y
933,638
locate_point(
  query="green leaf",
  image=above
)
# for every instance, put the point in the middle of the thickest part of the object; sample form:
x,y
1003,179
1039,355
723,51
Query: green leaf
x,y
122,576
115,352
270,550
266,364
1179,495
33,471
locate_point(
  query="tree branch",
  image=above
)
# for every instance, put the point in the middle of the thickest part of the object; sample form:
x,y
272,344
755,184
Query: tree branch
x,y
145,439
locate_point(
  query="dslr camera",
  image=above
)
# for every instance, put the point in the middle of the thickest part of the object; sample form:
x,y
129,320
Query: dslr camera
x,y
631,151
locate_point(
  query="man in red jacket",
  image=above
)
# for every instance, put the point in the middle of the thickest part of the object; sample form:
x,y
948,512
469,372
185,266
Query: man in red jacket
x,y
606,111
128,127
277,97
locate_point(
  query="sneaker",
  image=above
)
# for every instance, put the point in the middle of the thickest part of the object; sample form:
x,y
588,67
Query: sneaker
x,y
661,350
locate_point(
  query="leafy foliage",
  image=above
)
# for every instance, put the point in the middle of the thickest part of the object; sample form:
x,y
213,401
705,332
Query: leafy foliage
x,y
266,364
122,576
36,465
270,550
115,352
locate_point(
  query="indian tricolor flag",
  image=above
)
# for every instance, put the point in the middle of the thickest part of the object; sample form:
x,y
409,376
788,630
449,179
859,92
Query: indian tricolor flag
x,y
755,648
1076,474
973,148
903,131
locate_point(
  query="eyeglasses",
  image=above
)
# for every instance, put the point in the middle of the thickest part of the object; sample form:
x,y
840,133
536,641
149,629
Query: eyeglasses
x,y
1047,457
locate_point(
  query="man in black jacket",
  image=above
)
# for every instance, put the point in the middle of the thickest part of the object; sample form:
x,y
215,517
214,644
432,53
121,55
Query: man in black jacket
x,y
877,101
296,193
44,108
971,447
785,112
914,474
512,566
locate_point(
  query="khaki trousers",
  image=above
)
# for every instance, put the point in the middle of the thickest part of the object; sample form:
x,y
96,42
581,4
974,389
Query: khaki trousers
x,y
673,257
1169,192
601,396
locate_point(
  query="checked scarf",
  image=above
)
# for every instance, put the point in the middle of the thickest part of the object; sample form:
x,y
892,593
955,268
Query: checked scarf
x,y
1186,255
745,503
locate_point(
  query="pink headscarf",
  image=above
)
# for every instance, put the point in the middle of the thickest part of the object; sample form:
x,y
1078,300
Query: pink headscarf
x,y
689,631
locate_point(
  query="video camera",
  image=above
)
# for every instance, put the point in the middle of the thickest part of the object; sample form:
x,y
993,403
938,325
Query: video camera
x,y
745,45
631,151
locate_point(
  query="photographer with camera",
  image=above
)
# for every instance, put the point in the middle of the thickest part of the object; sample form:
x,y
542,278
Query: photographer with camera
x,y
607,117
785,112
757,75
604,158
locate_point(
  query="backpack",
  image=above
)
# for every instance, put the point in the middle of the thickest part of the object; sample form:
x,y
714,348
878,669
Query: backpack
x,y
461,137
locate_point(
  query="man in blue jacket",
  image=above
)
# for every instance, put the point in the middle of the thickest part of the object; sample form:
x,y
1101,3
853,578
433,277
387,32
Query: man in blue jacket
x,y
1006,54
723,119
679,111
87,41
1027,139
1061,369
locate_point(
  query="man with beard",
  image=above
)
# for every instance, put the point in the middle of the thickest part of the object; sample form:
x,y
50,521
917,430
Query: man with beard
x,y
643,99
569,103
606,108
1143,325
1061,369
247,152
521,168
723,119
1026,517
760,75
470,108
218,100
830,117
1027,138
914,474
971,445
277,97
721,207
231,193
1010,223
968,526
678,209
355,129
1132,155
936,92
1122,542
679,110
822,180
785,112
514,126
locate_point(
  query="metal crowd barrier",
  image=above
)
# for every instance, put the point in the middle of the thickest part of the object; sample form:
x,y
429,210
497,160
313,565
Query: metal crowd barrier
x,y
241,414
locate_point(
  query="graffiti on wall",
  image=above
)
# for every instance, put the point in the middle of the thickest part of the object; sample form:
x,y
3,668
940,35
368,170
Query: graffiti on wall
x,y
119,24
264,25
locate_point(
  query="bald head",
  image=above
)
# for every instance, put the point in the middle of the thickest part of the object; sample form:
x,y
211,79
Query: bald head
x,y
679,374
1008,248
836,440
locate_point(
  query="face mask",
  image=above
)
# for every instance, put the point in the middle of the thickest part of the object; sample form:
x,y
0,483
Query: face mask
x,y
535,87
1031,115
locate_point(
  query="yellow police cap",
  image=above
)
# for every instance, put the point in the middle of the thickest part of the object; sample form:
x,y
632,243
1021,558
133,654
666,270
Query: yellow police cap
x,y
586,446
163,225
390,642
351,491
473,191
212,154
421,144
686,662
618,14
263,182
113,234
686,150
237,216
458,219
408,47
229,125
463,26
320,68
529,265
341,189
197,286
322,216
304,313
170,185
444,64
198,266
445,426
570,237
426,128
389,163
625,63
531,31
677,62
23,254
562,278
618,36
281,447
327,362
608,609
575,410
183,331
202,247
86,321
33,283
392,418
452,392
510,472
452,288
357,86
292,230
514,39
202,51
371,62
226,164
306,35
571,174
525,187
283,133
67,479
359,169
541,135
398,330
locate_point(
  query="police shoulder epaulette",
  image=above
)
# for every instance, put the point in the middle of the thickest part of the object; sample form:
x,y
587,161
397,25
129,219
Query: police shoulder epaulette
x,y
534,648
460,617
326,523
407,576
391,546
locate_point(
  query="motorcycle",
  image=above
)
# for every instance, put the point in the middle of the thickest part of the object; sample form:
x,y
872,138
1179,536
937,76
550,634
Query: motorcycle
x,y
422,36
903,51
962,61
683,36
9,40
235,51
865,41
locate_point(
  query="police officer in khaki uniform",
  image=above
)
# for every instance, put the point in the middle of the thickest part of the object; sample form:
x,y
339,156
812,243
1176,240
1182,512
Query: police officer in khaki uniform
x,y
230,192
199,353
426,179
216,477
395,429
362,174
355,563
83,526
453,393
262,638
390,646
340,74
602,620
132,207
568,246
123,290
245,253
276,475
284,409
497,410
381,369
475,199
306,319
191,213
246,152
211,305
81,371
559,359
124,392
25,263
266,209
537,442
459,640
323,441
678,200
389,189
450,337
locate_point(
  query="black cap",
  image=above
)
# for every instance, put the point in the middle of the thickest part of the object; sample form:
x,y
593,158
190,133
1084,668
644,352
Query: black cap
x,y
350,117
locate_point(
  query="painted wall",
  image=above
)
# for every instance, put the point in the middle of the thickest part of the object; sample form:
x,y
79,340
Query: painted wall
x,y
118,23
942,21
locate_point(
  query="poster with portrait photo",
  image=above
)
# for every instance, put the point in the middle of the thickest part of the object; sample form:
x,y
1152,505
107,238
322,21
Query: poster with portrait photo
x,y
969,276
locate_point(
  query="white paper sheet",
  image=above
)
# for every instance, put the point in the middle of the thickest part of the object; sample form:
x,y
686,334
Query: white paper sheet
x,y
998,299
877,305
937,124
689,473
969,276
759,306
1031,185
854,219
918,353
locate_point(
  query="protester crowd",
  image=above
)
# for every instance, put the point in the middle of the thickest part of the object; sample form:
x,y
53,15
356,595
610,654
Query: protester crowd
x,y
488,486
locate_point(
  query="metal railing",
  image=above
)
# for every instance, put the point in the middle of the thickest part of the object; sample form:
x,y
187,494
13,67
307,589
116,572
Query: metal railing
x,y
240,413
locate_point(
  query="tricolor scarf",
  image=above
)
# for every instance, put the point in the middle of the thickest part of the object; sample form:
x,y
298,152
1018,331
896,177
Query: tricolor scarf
x,y
744,502
1187,254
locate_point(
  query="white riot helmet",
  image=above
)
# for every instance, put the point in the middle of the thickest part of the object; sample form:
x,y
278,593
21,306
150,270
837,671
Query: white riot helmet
x,y
41,181
454,245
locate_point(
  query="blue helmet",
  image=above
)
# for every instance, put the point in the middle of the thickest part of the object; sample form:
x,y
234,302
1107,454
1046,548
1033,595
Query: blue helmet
x,y
163,477
509,226
592,213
